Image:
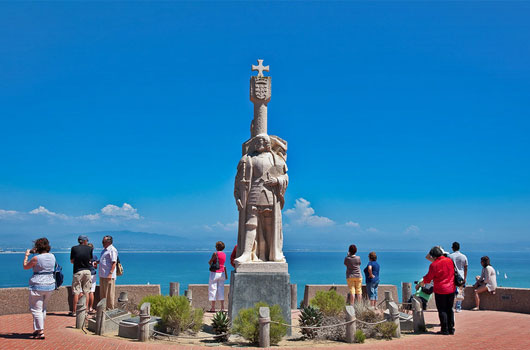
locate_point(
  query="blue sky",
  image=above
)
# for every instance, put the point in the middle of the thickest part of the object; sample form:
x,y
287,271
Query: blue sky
x,y
407,123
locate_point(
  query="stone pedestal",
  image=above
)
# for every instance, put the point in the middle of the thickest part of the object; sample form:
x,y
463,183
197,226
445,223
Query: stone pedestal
x,y
269,283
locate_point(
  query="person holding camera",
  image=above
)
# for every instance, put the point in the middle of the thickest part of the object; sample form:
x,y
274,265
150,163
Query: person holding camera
x,y
41,284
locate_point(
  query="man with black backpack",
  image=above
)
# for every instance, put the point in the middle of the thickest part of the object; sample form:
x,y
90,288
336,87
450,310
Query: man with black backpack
x,y
460,261
80,256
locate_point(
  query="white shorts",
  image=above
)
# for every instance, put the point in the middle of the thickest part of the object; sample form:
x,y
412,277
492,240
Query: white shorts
x,y
216,286
94,280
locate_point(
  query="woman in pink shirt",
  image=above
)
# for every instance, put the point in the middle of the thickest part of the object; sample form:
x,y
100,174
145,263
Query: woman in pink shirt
x,y
442,273
216,283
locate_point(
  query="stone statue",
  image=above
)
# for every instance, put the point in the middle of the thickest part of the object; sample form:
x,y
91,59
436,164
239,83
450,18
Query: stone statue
x,y
260,183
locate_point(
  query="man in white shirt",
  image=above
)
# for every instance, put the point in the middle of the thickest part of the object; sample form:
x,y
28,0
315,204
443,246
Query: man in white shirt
x,y
460,261
107,271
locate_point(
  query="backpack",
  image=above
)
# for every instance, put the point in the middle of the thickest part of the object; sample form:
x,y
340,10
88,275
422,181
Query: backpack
x,y
459,280
58,274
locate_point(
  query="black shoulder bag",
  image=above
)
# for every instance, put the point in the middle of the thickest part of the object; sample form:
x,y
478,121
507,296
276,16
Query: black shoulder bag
x,y
214,266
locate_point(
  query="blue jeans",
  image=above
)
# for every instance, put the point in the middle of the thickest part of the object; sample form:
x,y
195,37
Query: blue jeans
x,y
458,303
371,289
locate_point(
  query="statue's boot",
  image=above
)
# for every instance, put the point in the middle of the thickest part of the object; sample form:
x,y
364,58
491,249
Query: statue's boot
x,y
248,254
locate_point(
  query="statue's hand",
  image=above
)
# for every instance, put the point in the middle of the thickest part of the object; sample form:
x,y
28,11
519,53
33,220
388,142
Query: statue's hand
x,y
239,204
271,182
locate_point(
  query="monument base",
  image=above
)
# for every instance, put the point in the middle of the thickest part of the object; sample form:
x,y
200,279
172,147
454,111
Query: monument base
x,y
248,288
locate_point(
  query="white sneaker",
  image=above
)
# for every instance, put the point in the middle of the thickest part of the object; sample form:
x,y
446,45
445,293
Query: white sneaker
x,y
458,310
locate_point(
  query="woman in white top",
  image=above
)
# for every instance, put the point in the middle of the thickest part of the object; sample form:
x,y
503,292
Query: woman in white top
x,y
41,284
486,282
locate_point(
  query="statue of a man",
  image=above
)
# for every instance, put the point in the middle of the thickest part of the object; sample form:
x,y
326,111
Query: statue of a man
x,y
259,191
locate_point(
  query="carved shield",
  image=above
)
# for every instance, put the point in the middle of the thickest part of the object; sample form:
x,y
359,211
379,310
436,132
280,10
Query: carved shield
x,y
260,88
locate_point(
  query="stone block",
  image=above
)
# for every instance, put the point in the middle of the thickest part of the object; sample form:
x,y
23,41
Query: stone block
x,y
111,323
248,288
129,327
263,267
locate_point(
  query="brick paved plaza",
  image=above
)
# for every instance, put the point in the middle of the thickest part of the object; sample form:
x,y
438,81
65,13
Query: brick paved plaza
x,y
474,330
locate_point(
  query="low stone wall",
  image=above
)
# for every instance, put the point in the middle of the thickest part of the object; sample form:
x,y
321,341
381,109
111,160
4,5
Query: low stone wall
x,y
199,296
16,300
342,289
504,299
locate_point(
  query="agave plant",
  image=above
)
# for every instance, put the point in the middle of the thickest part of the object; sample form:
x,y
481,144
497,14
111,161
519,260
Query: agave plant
x,y
221,325
310,317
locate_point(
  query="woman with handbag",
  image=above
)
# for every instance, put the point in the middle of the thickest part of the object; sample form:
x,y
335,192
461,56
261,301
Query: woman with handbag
x,y
41,284
216,283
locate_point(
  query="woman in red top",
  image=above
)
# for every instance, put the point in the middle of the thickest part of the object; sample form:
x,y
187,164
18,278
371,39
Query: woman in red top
x,y
442,272
216,283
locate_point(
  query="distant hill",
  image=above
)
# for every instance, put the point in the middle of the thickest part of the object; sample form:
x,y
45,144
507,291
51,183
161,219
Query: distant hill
x,y
125,240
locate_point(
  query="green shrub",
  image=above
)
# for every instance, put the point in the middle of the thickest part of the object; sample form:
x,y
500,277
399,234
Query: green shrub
x,y
310,317
247,325
359,336
364,313
176,313
157,302
387,329
221,325
330,303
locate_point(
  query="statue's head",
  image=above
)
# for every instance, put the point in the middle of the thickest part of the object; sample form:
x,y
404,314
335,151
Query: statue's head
x,y
262,143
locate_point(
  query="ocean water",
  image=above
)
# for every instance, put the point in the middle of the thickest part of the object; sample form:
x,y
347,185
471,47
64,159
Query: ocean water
x,y
304,268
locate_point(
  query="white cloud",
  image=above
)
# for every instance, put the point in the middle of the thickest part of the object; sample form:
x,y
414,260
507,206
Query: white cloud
x,y
7,212
372,229
353,224
90,217
412,230
126,211
108,214
303,214
45,212
231,226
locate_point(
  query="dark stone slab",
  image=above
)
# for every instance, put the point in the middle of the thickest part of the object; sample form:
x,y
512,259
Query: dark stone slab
x,y
248,288
109,325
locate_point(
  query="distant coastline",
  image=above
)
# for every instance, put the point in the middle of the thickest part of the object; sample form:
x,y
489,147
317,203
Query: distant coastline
x,y
148,251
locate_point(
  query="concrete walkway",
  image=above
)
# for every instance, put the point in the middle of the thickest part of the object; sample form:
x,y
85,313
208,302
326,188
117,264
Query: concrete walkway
x,y
485,330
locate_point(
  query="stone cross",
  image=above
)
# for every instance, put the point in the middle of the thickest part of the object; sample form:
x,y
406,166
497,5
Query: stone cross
x,y
260,68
